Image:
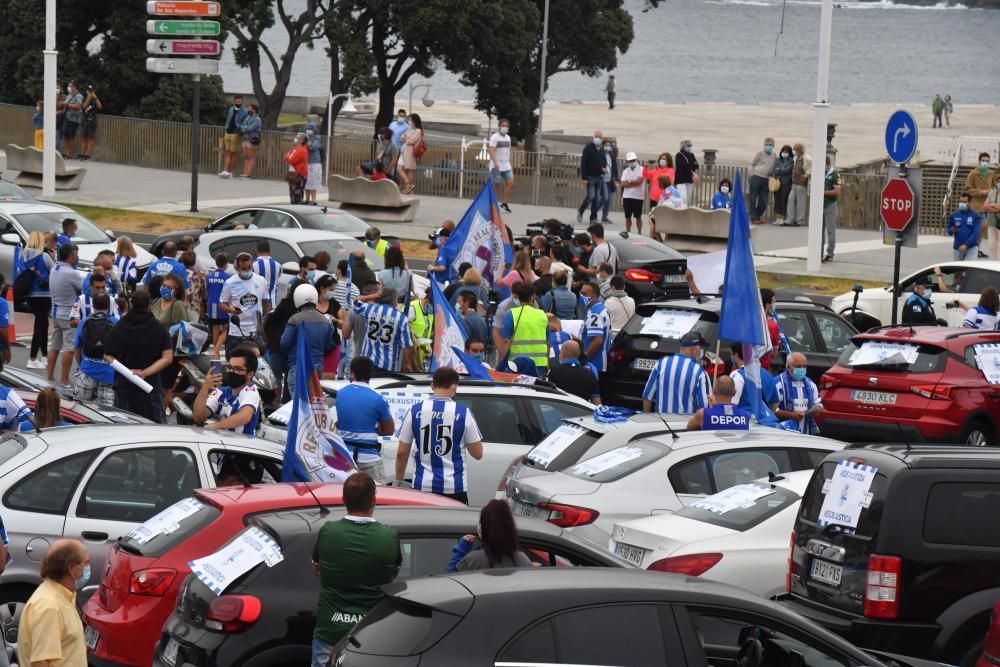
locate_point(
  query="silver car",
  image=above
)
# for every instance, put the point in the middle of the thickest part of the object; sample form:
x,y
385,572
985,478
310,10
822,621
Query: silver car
x,y
589,475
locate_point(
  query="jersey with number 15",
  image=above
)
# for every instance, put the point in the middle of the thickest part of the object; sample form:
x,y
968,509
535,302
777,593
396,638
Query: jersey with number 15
x,y
439,429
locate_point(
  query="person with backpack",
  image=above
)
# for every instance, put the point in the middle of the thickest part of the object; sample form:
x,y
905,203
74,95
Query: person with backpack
x,y
31,284
96,378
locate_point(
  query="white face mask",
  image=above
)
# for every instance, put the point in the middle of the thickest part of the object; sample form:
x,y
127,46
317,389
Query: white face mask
x,y
724,189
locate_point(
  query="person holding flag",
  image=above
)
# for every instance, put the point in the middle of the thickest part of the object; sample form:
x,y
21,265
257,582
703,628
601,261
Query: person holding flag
x,y
480,238
236,404
769,392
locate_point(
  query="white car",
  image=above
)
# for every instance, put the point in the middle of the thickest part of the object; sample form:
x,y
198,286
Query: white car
x,y
965,280
513,418
589,475
739,536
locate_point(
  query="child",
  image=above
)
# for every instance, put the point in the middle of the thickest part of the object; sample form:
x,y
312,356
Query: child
x,y
378,171
39,120
218,322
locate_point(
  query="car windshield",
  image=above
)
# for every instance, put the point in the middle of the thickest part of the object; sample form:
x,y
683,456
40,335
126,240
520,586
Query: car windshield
x,y
671,322
51,221
11,192
340,250
740,507
888,356
337,221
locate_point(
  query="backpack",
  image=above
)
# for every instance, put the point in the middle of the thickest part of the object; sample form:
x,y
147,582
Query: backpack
x,y
94,332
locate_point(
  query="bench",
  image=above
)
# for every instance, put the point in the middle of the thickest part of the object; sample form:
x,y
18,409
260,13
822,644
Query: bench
x,y
695,229
28,161
373,201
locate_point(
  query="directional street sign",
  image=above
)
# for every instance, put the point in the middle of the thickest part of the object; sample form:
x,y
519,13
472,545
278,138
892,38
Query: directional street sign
x,y
183,8
901,136
182,66
897,204
210,28
183,47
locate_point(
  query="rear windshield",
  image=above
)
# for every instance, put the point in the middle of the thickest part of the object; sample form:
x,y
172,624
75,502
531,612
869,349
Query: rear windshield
x,y
563,447
870,517
169,528
399,628
10,447
644,249
925,359
955,512
760,501
645,322
619,462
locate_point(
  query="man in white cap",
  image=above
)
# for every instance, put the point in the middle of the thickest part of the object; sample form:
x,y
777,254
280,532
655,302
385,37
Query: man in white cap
x,y
633,192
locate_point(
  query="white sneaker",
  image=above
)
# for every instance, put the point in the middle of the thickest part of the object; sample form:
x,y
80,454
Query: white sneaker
x,y
225,174
36,363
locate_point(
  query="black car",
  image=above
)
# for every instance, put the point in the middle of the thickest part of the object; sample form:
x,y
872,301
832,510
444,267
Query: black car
x,y
286,593
919,569
811,328
536,617
653,271
281,217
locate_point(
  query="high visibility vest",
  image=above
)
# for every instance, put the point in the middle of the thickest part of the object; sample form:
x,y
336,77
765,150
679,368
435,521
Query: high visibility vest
x,y
422,326
529,335
381,247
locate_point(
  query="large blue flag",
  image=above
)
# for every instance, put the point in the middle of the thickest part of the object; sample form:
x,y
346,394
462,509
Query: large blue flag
x,y
480,238
313,451
448,330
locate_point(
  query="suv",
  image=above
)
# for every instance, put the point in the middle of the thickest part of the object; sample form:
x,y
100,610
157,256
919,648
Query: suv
x,y
929,389
919,571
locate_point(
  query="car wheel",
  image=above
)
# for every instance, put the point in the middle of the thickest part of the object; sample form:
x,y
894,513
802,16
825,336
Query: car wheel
x,y
978,433
12,601
971,655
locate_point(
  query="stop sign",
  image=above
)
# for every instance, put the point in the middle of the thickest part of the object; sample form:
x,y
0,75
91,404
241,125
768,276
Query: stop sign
x,y
897,204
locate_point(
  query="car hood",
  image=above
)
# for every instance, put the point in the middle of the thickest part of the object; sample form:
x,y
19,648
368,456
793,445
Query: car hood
x,y
88,253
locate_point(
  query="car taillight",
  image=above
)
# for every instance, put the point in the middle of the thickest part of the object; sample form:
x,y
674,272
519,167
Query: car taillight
x,y
642,275
941,392
827,381
691,565
791,562
569,516
502,486
617,354
155,581
232,613
882,589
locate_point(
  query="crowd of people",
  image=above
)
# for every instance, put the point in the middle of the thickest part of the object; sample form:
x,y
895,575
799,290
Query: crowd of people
x,y
76,118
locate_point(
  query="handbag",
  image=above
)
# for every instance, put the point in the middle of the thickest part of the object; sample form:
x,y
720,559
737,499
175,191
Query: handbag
x,y
419,149
773,184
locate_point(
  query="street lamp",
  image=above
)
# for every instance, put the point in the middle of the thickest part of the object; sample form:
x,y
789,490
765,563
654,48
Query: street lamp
x,y
541,103
349,107
427,100
51,57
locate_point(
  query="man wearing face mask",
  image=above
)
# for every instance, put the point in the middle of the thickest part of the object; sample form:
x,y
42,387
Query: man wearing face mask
x,y
51,632
798,396
678,383
524,331
245,298
232,137
236,403
964,225
918,308
686,170
501,172
761,170
596,329
798,198
399,127
633,192
979,183
592,168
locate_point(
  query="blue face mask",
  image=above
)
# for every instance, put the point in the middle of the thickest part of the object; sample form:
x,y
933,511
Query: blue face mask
x,y
166,293
84,578
598,141
311,276
768,149
479,356
799,374
330,296
246,275
963,207
584,301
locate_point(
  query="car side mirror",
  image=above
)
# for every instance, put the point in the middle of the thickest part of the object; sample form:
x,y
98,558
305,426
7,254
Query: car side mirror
x,y
10,239
110,232
290,268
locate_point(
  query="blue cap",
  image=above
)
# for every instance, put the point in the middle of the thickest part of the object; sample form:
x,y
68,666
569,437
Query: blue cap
x,y
692,338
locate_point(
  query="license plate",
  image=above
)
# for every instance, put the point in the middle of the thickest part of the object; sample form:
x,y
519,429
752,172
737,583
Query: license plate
x,y
826,572
873,397
170,652
523,509
678,278
92,636
632,554
643,364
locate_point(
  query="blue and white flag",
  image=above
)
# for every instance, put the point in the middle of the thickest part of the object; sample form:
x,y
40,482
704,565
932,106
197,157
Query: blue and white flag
x,y
477,371
313,451
481,239
18,263
448,331
350,281
782,338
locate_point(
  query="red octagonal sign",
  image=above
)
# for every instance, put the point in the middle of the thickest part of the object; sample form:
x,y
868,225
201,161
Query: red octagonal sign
x,y
897,204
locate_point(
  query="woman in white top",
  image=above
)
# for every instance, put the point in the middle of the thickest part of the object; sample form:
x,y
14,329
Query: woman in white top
x,y
620,306
984,315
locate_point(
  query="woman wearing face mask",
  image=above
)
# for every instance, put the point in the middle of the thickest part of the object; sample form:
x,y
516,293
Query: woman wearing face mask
x,y
170,308
408,168
297,159
652,172
723,198
251,131
496,545
314,175
328,305
783,172
687,171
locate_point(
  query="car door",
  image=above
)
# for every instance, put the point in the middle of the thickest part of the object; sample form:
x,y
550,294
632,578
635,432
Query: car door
x,y
547,414
976,280
833,335
706,474
243,217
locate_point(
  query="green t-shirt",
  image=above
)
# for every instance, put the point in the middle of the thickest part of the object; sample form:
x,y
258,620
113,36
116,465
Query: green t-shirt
x,y
355,559
832,180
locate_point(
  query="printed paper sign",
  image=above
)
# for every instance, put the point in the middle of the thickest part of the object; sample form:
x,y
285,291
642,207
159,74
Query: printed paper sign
x,y
877,352
607,461
573,327
166,521
400,403
988,360
670,323
735,497
847,494
554,445
709,271
219,570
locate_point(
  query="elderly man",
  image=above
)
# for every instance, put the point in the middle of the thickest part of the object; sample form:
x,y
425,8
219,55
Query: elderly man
x,y
592,167
798,207
798,396
572,377
51,633
723,415
678,383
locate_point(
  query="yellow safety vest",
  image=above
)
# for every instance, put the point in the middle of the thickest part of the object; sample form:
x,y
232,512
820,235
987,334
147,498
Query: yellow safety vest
x,y
529,335
381,247
422,326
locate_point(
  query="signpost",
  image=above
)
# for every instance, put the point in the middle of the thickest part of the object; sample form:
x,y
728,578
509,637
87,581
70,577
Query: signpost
x,y
898,202
183,8
901,137
204,28
183,47
177,66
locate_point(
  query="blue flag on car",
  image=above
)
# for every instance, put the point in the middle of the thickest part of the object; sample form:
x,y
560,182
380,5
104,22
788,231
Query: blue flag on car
x,y
313,451
477,371
448,331
481,239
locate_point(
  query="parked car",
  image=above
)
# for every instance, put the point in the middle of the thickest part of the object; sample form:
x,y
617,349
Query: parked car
x,y
990,656
139,586
19,218
934,390
537,618
513,418
96,482
653,271
288,589
811,328
918,568
588,478
255,218
964,280
10,191
83,412
738,536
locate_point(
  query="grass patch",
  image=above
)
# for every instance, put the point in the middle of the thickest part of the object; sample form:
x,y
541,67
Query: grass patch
x,y
818,284
138,221
417,250
290,119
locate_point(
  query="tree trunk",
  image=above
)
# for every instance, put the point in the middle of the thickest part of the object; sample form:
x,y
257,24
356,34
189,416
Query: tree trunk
x,y
386,104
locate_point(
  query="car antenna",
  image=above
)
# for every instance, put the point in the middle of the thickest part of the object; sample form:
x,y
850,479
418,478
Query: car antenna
x,y
324,209
672,432
906,441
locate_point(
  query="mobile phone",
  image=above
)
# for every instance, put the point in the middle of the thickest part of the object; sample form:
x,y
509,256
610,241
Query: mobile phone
x,y
215,368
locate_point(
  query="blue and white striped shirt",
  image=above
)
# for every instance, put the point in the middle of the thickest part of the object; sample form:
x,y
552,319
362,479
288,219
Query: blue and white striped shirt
x,y
597,323
13,411
268,269
126,268
980,317
439,429
84,307
387,334
213,287
678,384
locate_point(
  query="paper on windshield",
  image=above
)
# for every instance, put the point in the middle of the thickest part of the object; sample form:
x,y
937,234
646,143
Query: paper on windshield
x,y
709,271
166,521
670,323
885,353
222,568
554,445
607,461
400,403
740,496
988,360
846,494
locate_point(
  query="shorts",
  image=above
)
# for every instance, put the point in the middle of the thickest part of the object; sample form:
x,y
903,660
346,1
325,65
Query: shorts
x,y
501,176
249,144
69,129
219,322
231,143
88,131
62,337
315,178
88,389
632,208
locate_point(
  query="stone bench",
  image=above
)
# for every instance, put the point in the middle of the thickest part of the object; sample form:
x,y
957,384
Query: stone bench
x,y
28,161
373,201
694,229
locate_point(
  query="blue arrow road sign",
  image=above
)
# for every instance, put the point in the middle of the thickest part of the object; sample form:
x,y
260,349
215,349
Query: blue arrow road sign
x,y
901,136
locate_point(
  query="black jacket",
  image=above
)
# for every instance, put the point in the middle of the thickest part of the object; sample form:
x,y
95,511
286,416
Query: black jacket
x,y
137,341
685,164
592,162
918,310
574,379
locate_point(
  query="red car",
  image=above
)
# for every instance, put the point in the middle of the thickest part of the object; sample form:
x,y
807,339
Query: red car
x,y
914,384
991,645
139,586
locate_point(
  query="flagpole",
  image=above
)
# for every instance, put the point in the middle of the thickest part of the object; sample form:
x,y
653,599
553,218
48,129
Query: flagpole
x,y
820,109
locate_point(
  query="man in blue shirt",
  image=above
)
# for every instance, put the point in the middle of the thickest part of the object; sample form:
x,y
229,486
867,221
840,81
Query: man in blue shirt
x,y
722,415
217,319
963,225
232,139
97,377
362,416
267,268
768,391
678,383
68,232
166,265
235,404
399,127
472,321
596,331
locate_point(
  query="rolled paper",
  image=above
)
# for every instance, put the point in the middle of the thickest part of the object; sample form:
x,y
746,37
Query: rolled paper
x,y
131,377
